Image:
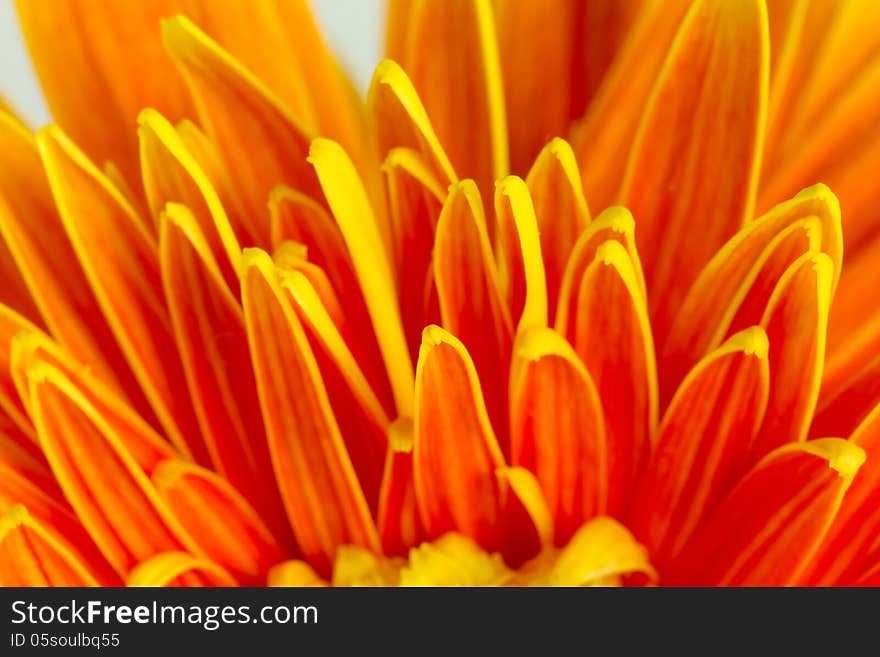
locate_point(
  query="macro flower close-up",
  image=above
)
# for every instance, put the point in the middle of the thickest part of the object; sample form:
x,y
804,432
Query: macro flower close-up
x,y
580,292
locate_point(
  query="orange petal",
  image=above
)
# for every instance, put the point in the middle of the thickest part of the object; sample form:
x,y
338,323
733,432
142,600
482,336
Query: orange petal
x,y
853,326
703,444
768,529
562,213
400,121
175,568
415,200
797,32
612,117
86,55
324,502
125,279
750,261
23,191
30,555
34,349
705,120
400,524
210,335
371,258
611,334
548,29
599,28
11,324
280,42
557,429
828,128
223,524
795,319
32,230
615,223
462,90
26,480
471,303
851,547
521,261
300,219
850,405
452,427
242,116
361,416
172,175
747,305
105,484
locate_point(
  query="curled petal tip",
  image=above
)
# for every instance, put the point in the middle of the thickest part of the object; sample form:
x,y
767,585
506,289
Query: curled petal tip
x,y
540,341
751,341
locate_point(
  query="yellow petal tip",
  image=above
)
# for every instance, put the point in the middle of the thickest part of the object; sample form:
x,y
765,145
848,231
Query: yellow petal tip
x,y
400,435
539,342
751,341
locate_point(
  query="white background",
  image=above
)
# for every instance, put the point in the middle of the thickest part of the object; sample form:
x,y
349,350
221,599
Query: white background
x,y
353,29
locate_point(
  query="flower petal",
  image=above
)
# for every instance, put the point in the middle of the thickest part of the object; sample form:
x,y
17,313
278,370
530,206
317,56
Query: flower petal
x,y
13,411
524,490
751,260
561,210
101,478
372,262
210,335
471,303
35,349
612,117
703,444
795,319
452,426
400,120
33,232
747,305
464,86
415,199
843,412
601,551
172,174
853,330
705,120
324,502
611,334
362,419
125,280
558,429
769,527
851,547
175,568
547,27
222,522
521,262
26,480
297,218
241,115
30,555
293,573
453,560
400,524
615,223
280,42
86,56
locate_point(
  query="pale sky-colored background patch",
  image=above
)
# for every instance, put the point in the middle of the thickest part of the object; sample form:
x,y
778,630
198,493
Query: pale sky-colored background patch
x,y
353,28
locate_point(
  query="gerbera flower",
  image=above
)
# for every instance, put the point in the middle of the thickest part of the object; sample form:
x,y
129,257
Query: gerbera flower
x,y
254,331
